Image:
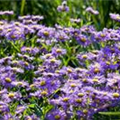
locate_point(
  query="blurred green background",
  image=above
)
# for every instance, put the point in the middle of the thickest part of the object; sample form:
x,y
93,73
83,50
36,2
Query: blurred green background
x,y
48,8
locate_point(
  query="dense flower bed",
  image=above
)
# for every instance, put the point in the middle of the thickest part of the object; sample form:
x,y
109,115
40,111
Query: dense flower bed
x,y
57,73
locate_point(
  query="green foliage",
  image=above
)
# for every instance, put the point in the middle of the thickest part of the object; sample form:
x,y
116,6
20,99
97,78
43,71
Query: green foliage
x,y
48,8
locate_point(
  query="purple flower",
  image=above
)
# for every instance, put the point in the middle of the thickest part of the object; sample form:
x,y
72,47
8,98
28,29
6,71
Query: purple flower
x,y
58,51
63,7
91,10
115,17
75,20
83,40
15,34
7,79
100,36
20,109
9,97
61,36
3,107
37,17
56,115
6,12
30,50
7,116
87,29
46,33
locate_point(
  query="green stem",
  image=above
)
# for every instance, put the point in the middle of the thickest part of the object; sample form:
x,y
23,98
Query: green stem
x,y
22,7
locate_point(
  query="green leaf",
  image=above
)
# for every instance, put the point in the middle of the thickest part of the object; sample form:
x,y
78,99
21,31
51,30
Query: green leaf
x,y
110,113
31,105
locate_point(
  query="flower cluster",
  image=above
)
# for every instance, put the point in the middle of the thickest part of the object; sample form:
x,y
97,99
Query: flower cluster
x,y
57,73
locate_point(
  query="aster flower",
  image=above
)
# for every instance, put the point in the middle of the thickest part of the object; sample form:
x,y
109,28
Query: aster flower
x,y
97,80
96,69
83,40
37,17
9,97
7,116
87,29
52,62
75,20
15,34
63,7
6,60
6,12
64,101
46,33
40,93
17,70
26,65
20,109
28,30
20,83
58,52
3,107
4,91
32,117
30,50
86,56
7,79
100,36
26,17
61,36
115,17
91,10
71,86
56,115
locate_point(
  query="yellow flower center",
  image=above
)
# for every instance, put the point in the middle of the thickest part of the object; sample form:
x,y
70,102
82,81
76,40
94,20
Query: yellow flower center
x,y
118,17
1,106
26,63
8,80
78,100
27,49
65,99
11,95
108,63
46,33
116,95
29,119
20,83
73,85
57,117
53,60
69,70
85,111
95,80
42,83
84,80
96,70
83,39
44,93
84,56
61,37
32,85
80,94
102,35
13,36
48,55
58,51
